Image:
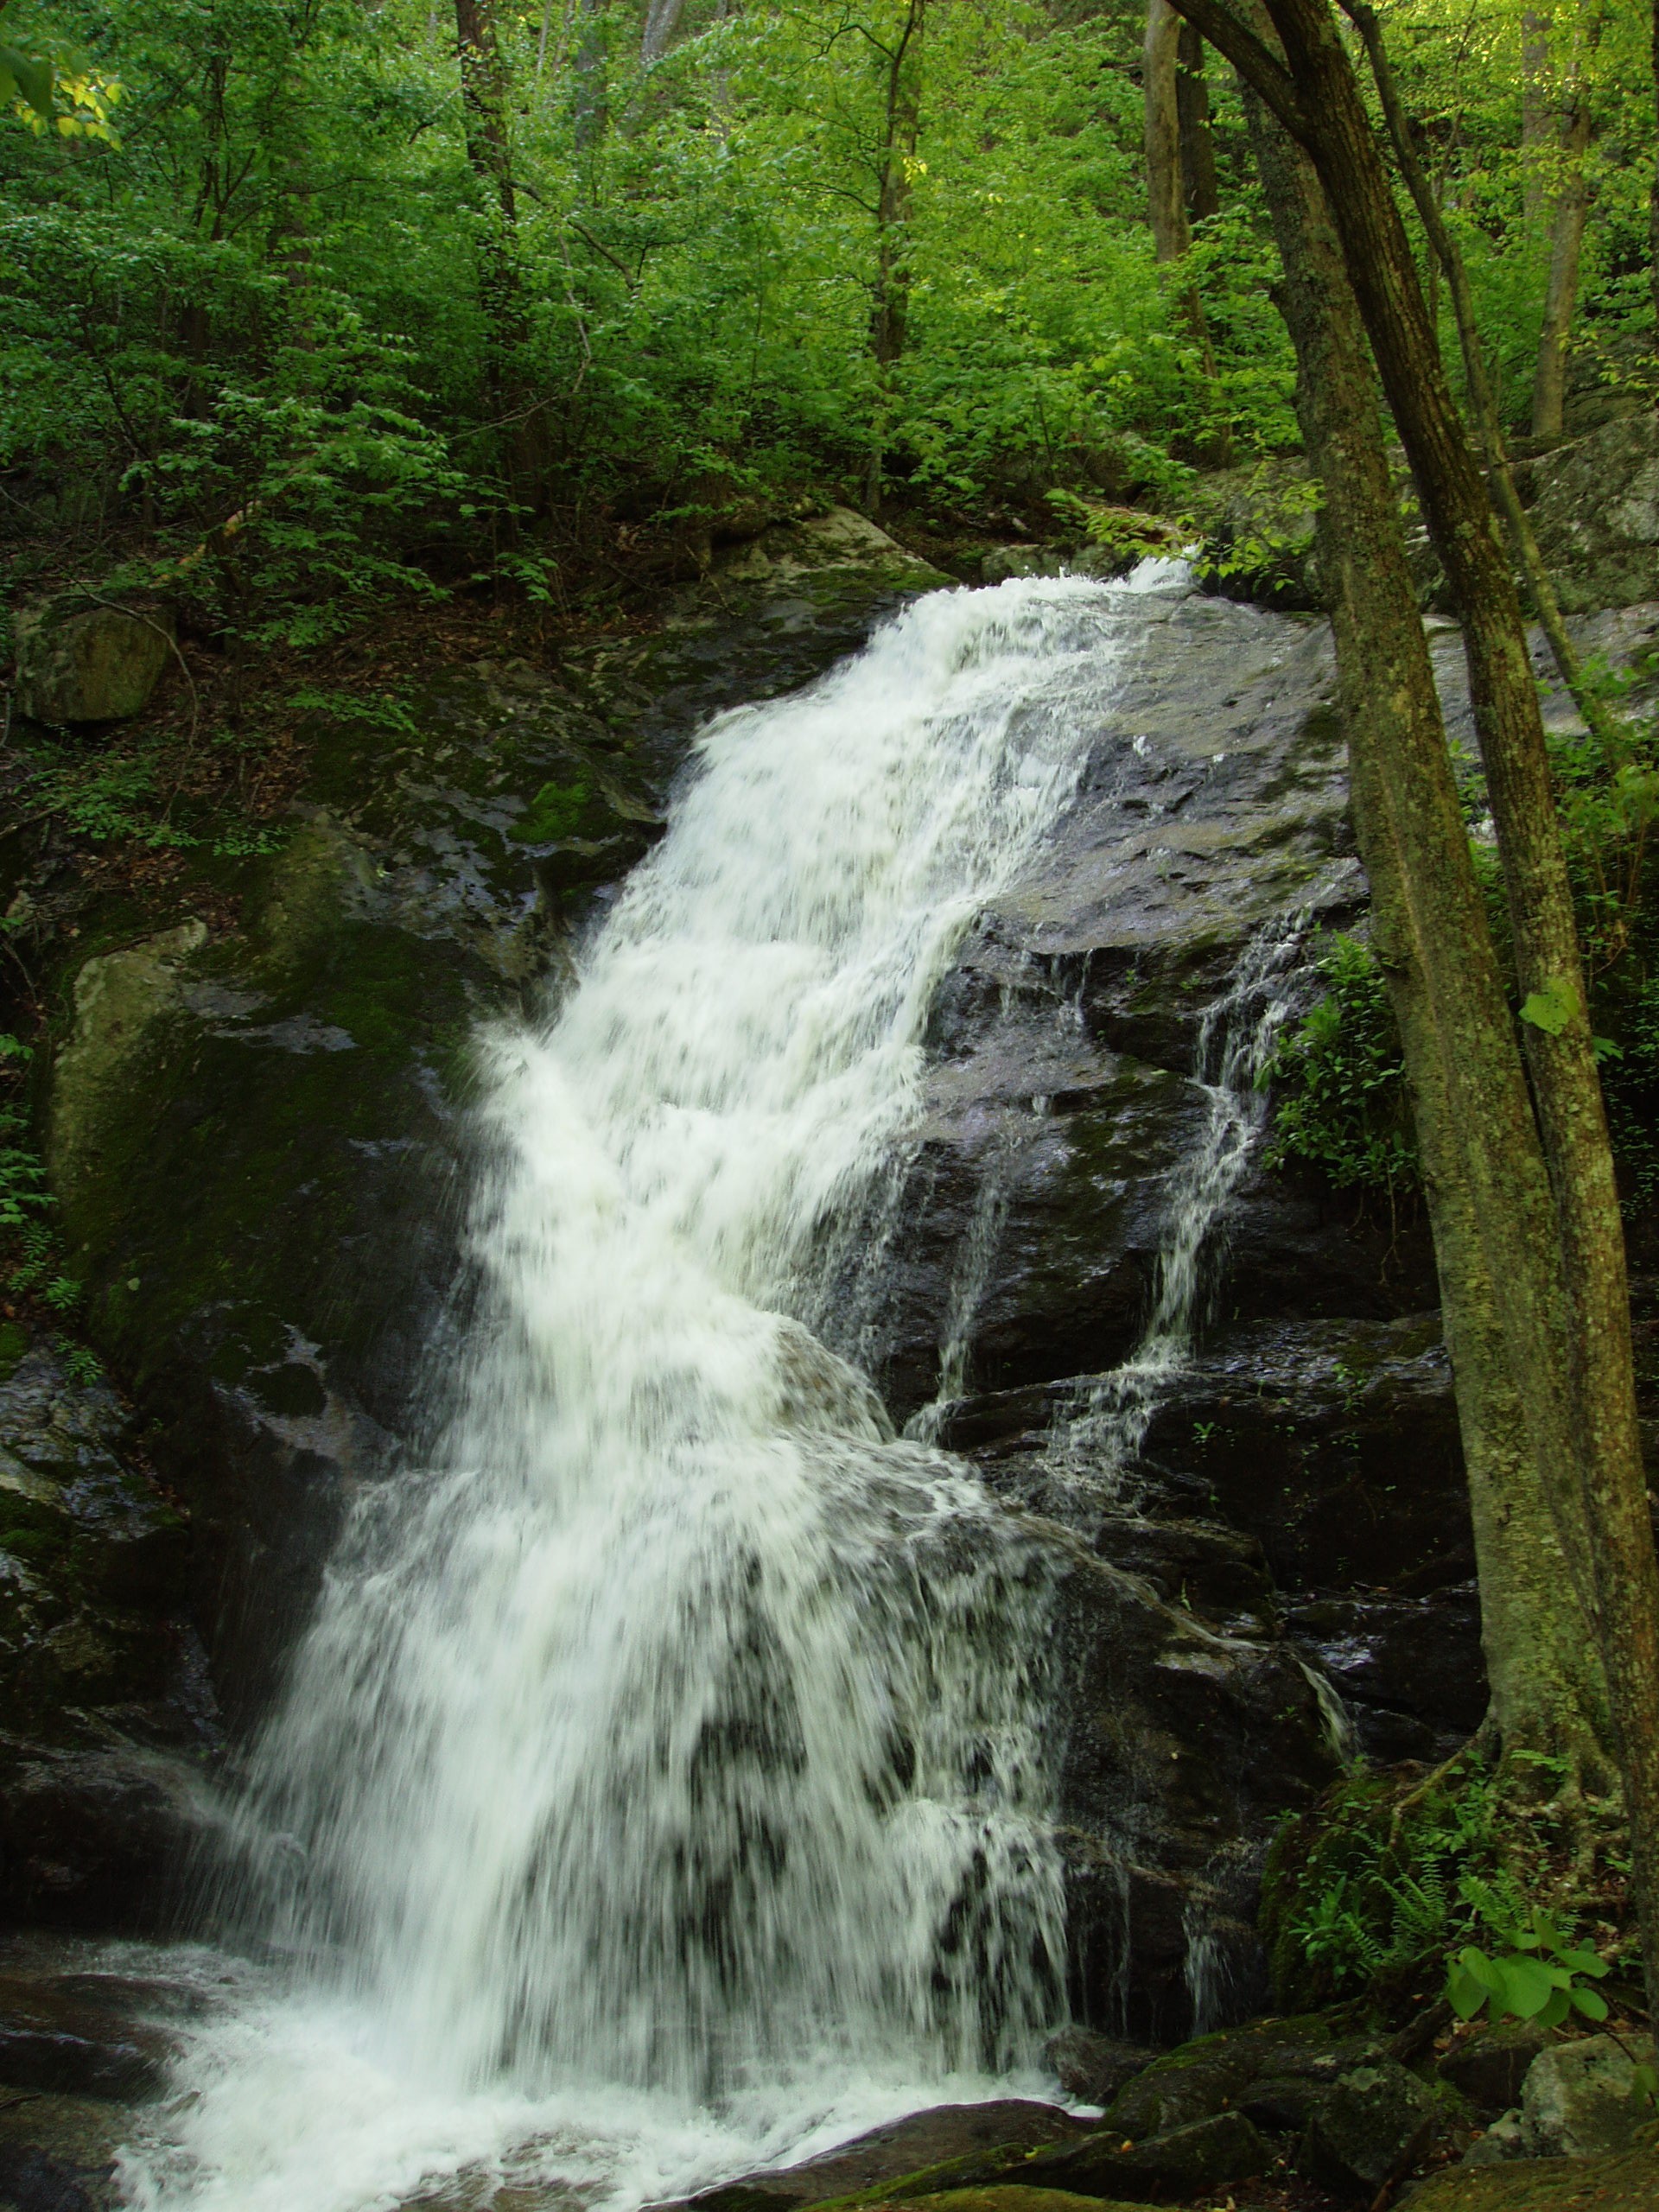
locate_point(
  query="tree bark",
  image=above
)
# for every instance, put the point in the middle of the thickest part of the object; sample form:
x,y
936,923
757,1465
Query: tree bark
x,y
1484,1171
895,191
593,109
1172,234
1166,199
1536,125
1314,94
489,150
1653,197
662,21
1571,210
1197,139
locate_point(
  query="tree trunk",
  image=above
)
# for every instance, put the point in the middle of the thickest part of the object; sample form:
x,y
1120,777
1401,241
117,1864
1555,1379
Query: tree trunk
x,y
1571,211
1166,197
1537,125
1172,234
484,111
1315,94
1653,197
1197,141
662,21
1483,1172
592,107
890,298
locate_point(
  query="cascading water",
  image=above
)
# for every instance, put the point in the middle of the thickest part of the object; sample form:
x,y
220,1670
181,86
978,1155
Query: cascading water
x,y
662,1776
1101,1437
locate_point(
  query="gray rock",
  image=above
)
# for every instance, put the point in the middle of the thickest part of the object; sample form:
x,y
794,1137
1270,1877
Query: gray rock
x,y
1595,513
109,1719
61,2040
1372,2127
1503,2140
1578,2098
1004,561
80,662
57,2153
945,2148
1489,2066
1091,2067
1203,2154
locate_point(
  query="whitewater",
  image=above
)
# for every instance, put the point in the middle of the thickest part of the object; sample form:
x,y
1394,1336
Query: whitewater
x,y
663,1786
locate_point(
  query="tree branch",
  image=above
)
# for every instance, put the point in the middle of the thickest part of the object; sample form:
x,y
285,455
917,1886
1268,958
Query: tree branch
x,y
1259,66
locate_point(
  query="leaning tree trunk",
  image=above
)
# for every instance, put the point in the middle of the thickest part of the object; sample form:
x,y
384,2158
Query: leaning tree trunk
x,y
1484,1171
1571,210
1315,95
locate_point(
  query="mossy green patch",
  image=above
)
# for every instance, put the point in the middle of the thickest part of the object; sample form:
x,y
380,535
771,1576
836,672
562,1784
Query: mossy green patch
x,y
1628,2182
558,811
1012,2198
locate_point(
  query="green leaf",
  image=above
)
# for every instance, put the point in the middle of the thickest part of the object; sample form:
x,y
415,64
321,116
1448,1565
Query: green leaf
x,y
1551,1008
1585,1962
1590,2003
1556,2010
1526,1987
25,76
1463,1993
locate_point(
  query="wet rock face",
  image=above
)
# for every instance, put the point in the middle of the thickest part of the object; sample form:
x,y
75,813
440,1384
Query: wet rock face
x,y
1060,1100
104,1685
1283,1570
259,1138
260,1145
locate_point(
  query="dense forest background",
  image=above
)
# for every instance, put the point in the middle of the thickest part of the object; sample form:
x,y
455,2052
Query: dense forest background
x,y
328,301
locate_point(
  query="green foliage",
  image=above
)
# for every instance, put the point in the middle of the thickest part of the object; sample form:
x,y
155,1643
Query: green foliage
x,y
1338,1081
1538,1972
30,1253
1369,1892
1280,506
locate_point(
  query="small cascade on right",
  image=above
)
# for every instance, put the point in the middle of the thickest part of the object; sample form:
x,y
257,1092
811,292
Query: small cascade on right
x,y
1098,1437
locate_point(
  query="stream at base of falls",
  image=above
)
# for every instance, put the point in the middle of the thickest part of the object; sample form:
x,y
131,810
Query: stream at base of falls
x,y
664,1786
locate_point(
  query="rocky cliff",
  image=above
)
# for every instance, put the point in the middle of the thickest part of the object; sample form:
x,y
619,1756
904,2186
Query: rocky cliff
x,y
258,1129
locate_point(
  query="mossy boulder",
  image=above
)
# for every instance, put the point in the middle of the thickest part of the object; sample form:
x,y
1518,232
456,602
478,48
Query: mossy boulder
x,y
79,660
1625,2182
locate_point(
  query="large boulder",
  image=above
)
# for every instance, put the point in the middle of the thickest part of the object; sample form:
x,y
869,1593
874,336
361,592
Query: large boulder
x,y
1580,2099
1596,512
79,660
1200,2155
1372,2127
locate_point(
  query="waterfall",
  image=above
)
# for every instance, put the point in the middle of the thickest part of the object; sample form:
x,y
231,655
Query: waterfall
x,y
664,1774
1097,1439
